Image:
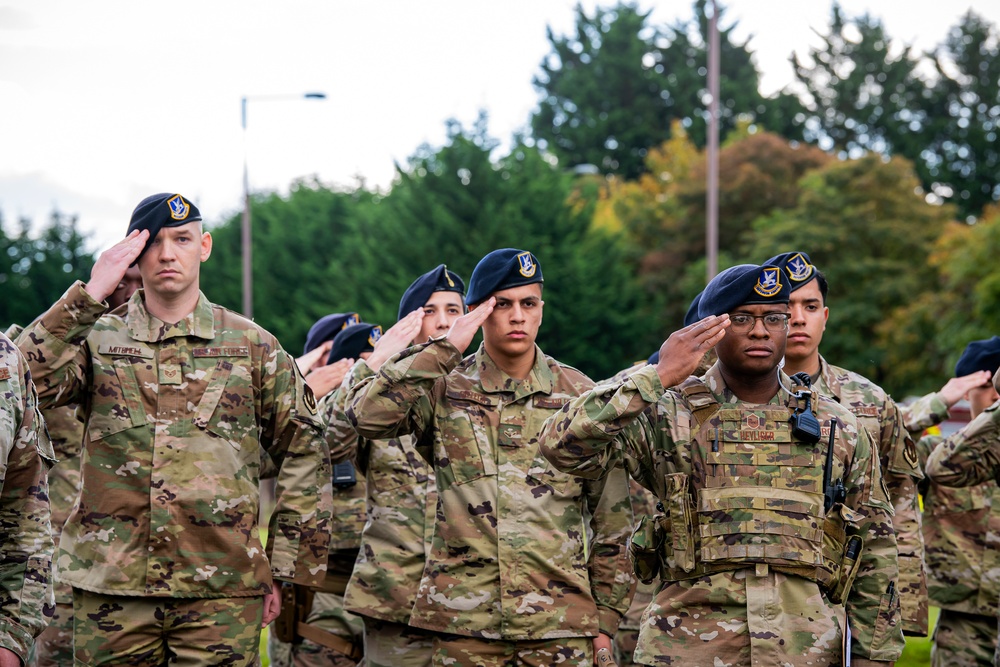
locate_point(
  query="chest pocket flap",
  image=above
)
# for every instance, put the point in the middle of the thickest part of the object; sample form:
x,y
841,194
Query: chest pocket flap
x,y
466,434
227,406
117,397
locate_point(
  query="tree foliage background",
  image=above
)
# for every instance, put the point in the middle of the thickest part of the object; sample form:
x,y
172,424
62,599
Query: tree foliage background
x,y
878,160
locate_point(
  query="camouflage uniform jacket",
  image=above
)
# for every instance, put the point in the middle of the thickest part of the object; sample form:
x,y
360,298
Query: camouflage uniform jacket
x,y
901,471
65,427
749,615
349,514
176,417
26,553
962,534
66,432
923,413
509,559
402,495
970,456
642,502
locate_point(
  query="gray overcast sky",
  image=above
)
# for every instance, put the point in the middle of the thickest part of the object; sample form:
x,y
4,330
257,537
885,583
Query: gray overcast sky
x,y
107,101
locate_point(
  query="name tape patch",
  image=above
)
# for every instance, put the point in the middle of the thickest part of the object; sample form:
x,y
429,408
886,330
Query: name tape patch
x,y
234,351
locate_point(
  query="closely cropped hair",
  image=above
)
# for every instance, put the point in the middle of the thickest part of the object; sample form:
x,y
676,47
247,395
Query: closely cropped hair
x,y
824,287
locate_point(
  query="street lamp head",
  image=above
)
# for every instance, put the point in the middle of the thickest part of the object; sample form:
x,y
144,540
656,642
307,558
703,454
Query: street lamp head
x,y
315,96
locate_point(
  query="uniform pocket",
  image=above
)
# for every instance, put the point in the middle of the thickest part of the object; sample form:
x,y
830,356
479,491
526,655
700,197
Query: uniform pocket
x,y
227,406
888,616
466,436
117,399
394,464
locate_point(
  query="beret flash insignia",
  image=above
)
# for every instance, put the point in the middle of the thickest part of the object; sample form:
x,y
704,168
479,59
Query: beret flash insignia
x,y
799,269
375,335
179,208
769,281
528,266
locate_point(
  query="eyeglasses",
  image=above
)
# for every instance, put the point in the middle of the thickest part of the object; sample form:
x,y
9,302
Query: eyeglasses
x,y
742,323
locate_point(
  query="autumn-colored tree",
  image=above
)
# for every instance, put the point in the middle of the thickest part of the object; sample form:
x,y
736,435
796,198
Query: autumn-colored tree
x,y
925,337
663,212
867,226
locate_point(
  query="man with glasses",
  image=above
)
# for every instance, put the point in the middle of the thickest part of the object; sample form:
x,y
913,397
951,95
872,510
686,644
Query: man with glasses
x,y
772,517
875,410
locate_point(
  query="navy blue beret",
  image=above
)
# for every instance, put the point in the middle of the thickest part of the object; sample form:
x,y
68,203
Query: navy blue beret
x,y
162,210
500,270
742,285
691,316
796,266
354,340
327,327
653,358
439,279
979,355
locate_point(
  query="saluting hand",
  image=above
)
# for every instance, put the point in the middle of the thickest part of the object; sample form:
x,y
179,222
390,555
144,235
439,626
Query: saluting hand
x,y
953,390
681,353
464,329
110,267
325,379
314,358
399,337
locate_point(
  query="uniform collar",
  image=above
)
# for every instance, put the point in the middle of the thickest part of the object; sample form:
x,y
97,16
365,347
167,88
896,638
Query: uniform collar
x,y
494,380
723,394
827,382
142,326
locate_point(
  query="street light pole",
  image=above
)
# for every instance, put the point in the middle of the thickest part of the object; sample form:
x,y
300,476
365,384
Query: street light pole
x,y
246,238
712,203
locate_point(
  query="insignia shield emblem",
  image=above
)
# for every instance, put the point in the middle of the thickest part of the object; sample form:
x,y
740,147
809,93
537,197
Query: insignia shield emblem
x,y
179,208
769,281
350,321
799,269
752,421
375,335
528,266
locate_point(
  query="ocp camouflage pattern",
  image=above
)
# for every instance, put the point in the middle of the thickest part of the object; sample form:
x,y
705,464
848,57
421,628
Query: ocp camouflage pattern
x,y
509,557
970,456
26,600
901,472
962,537
402,496
753,614
177,416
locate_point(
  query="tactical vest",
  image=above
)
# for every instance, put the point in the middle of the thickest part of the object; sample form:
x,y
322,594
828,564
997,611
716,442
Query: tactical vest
x,y
755,497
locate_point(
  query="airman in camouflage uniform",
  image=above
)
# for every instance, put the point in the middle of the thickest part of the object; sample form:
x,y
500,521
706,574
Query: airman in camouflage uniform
x,y
962,532
769,525
315,629
877,413
54,647
26,555
643,504
402,493
508,577
180,396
